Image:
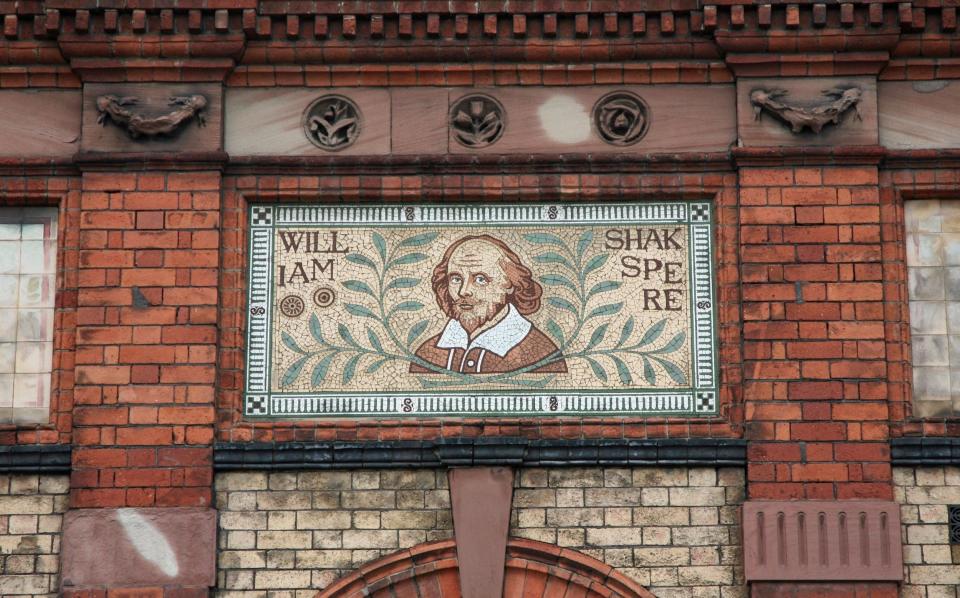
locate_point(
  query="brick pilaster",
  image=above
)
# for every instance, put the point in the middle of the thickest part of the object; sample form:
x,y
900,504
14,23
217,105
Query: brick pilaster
x,y
813,307
146,339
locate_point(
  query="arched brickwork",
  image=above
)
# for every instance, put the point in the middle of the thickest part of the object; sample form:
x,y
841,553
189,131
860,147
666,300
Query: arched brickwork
x,y
533,570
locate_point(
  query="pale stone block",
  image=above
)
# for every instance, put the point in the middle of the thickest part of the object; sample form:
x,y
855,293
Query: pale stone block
x,y
707,535
729,515
933,513
437,499
11,585
48,563
903,476
279,520
533,478
408,480
614,536
369,499
242,559
26,505
324,480
696,497
532,518
702,476
410,499
241,481
326,499
240,540
409,519
612,497
327,539
935,574
366,519
292,500
284,539
249,520
731,476
54,484
641,576
366,480
927,534
370,539
19,564
571,537
665,576
586,517
439,534
937,554
241,501
322,579
930,476
524,497
23,524
540,534
618,517
282,481
951,476
239,580
280,559
656,536
618,557
569,497
323,520
694,576
661,516
704,555
617,478
24,484
909,514
575,477
323,559
660,557
704,515
660,476
282,579
655,497
411,537
360,557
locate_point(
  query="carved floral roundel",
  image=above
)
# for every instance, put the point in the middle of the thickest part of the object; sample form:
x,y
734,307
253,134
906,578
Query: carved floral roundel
x,y
332,122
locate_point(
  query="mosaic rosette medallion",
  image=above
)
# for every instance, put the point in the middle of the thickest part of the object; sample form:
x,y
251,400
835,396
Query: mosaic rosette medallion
x,y
429,310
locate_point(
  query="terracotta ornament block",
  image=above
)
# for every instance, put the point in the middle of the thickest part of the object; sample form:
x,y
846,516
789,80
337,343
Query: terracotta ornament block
x,y
481,499
150,102
812,540
139,547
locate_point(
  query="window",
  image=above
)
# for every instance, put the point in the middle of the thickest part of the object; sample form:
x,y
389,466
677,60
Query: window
x,y
28,255
933,267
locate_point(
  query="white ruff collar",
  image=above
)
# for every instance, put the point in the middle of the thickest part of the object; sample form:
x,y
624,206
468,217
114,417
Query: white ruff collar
x,y
500,338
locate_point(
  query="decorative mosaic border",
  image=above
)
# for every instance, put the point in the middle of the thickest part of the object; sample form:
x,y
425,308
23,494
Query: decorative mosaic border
x,y
701,399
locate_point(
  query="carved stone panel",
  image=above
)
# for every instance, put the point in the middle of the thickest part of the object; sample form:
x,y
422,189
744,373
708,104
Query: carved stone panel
x,y
183,117
826,111
39,123
428,310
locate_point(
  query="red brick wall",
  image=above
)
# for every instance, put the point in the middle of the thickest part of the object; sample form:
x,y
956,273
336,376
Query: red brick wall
x,y
146,339
815,364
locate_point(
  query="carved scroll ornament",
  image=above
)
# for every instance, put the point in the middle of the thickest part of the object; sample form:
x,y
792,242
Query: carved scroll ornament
x,y
117,109
814,117
477,121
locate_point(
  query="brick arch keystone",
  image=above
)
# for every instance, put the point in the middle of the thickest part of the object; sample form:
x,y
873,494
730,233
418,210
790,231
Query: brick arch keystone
x,y
533,569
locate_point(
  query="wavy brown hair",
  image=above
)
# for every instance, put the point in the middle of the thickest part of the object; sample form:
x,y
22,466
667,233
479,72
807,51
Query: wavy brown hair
x,y
526,291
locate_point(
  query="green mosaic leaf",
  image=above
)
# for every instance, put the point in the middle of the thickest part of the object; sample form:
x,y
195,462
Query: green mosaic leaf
x,y
626,332
609,309
359,310
350,368
673,344
416,330
544,239
598,370
358,286
603,287
402,283
410,258
320,370
315,331
675,373
407,306
294,371
552,257
362,260
585,239
597,337
373,367
290,343
595,262
648,373
346,336
555,331
374,340
558,280
653,333
381,246
622,371
561,303
418,240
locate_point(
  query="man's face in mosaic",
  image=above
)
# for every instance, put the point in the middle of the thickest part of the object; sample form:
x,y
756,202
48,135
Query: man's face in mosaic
x,y
477,283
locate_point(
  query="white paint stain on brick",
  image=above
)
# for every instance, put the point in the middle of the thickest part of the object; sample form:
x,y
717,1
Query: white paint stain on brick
x,y
564,120
149,541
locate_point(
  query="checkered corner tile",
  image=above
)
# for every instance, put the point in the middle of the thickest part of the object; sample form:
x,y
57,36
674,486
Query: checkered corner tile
x,y
699,212
706,402
256,405
262,216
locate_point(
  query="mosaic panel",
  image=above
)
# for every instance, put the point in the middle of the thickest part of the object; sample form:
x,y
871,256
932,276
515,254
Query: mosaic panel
x,y
933,269
529,309
28,250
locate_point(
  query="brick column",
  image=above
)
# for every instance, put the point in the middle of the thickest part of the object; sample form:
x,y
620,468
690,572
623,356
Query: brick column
x,y
145,374
815,387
